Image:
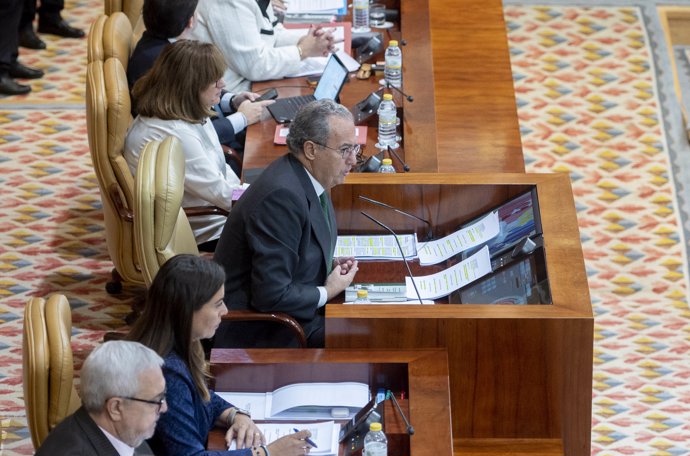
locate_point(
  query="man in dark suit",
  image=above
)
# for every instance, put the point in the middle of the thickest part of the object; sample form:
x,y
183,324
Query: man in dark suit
x,y
49,21
277,245
123,392
10,68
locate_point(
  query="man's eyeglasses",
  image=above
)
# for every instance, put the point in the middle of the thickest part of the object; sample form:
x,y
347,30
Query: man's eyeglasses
x,y
344,151
159,403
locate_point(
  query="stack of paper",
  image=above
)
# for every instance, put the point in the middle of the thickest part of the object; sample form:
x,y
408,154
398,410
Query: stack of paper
x,y
376,247
302,401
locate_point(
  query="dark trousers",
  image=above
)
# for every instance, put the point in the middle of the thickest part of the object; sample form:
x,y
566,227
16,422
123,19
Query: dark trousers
x,y
49,10
10,12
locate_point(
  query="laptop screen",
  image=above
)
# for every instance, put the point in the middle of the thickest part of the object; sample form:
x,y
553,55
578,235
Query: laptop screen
x,y
332,79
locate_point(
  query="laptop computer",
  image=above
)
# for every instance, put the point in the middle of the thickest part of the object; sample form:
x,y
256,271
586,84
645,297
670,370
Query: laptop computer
x,y
330,84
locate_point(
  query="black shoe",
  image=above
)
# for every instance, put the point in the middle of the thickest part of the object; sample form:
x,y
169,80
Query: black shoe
x,y
28,39
17,70
60,28
9,87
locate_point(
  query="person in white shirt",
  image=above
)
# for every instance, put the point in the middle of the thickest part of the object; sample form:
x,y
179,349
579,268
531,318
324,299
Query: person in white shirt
x,y
256,47
174,99
123,395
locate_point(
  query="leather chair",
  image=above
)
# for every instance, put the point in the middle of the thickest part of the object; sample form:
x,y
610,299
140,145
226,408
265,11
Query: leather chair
x,y
161,227
108,118
131,8
48,367
110,36
94,44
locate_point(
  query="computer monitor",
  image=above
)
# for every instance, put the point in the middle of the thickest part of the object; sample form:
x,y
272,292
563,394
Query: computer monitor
x,y
523,281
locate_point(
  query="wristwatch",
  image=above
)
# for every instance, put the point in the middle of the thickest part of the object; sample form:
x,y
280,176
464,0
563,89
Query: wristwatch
x,y
242,411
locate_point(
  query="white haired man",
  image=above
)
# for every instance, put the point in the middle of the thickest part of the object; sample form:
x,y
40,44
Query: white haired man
x,y
123,394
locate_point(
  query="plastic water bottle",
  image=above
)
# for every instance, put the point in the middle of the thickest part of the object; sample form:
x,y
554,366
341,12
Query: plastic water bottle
x,y
375,442
362,297
387,166
392,70
388,120
360,16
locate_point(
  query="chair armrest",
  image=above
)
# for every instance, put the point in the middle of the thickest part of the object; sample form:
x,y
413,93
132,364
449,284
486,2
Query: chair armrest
x,y
123,211
276,317
232,154
204,210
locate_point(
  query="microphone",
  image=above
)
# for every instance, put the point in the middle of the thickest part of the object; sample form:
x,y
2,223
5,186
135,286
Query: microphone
x,y
391,396
408,97
402,254
393,153
429,234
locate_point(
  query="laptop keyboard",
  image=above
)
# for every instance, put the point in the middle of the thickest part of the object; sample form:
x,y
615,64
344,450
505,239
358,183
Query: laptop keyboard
x,y
286,108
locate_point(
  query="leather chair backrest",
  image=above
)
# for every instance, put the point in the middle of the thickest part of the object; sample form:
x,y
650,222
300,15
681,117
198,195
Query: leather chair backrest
x,y
132,8
117,38
94,47
162,229
48,367
108,117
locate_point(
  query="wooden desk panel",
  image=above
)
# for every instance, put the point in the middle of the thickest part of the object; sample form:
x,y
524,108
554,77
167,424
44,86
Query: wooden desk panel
x,y
422,373
476,115
520,372
457,67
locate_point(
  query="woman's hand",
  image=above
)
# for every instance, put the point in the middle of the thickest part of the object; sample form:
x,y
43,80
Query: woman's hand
x,y
253,111
318,42
291,445
245,432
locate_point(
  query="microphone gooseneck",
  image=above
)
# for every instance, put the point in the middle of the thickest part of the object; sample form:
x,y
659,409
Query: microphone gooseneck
x,y
402,254
391,396
409,98
393,153
429,233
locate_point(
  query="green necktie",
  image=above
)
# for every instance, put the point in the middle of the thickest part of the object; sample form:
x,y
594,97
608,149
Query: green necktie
x,y
323,198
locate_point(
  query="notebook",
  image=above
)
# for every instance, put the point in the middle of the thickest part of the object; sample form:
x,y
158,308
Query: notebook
x,y
329,87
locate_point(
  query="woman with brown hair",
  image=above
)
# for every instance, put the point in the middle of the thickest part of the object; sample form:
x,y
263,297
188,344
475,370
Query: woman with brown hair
x,y
183,306
175,98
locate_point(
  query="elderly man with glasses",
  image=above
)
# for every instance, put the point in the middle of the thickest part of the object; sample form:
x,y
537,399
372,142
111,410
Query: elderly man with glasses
x,y
277,244
123,394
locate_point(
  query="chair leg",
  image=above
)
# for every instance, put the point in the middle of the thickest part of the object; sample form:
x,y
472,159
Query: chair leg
x,y
115,285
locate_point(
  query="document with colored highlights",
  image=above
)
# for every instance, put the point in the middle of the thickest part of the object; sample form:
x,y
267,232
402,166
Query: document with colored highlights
x,y
376,247
445,282
433,252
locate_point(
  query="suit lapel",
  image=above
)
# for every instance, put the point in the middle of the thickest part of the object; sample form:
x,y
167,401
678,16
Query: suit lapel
x,y
324,235
98,440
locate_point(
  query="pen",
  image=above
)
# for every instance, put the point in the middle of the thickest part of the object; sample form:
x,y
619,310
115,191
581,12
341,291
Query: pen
x,y
308,440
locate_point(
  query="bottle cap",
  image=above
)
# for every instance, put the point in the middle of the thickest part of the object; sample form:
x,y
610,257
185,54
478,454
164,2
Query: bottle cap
x,y
385,161
375,427
393,43
387,96
362,293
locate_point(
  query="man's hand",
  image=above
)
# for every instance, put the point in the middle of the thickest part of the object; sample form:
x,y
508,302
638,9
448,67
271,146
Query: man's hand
x,y
336,281
345,264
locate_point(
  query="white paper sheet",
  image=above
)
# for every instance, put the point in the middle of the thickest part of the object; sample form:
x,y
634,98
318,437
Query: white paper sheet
x,y
377,246
445,282
439,250
313,6
325,435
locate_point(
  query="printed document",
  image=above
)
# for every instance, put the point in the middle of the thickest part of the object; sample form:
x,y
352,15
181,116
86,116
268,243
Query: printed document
x,y
376,247
445,282
303,401
439,250
325,435
314,6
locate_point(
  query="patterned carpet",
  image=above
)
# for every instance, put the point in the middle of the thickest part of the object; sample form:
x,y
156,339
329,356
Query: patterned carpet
x,y
589,104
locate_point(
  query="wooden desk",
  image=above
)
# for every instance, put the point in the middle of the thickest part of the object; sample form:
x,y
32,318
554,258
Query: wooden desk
x,y
423,374
456,65
516,372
